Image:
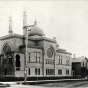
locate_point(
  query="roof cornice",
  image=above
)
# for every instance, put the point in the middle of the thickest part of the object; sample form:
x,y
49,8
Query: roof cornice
x,y
43,38
37,47
65,53
11,36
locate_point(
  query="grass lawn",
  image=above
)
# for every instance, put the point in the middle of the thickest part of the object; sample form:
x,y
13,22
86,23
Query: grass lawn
x,y
66,84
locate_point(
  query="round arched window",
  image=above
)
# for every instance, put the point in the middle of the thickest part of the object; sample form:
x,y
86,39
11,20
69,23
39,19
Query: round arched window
x,y
50,52
17,56
6,48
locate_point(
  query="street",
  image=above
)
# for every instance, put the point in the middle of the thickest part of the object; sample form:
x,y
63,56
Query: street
x,y
53,85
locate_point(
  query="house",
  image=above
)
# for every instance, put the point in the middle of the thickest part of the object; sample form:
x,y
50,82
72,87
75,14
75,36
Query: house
x,y
80,66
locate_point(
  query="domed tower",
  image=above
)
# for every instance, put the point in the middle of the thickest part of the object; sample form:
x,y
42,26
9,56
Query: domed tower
x,y
36,31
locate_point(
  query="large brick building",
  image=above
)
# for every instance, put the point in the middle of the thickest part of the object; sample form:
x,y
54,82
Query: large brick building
x,y
44,58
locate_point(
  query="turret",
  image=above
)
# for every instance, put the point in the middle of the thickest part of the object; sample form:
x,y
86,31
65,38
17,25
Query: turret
x,y
10,25
24,22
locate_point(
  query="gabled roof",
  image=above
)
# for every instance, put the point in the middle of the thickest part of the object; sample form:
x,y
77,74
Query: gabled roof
x,y
79,59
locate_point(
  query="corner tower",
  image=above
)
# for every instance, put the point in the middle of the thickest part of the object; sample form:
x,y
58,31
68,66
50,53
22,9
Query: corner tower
x,y
24,22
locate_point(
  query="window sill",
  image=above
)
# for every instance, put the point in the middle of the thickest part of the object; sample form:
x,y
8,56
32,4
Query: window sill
x,y
49,63
34,62
63,64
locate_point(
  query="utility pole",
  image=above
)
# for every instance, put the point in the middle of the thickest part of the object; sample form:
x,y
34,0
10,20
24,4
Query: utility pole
x,y
26,53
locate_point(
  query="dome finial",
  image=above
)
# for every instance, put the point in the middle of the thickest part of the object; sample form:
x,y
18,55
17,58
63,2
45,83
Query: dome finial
x,y
24,12
35,21
10,17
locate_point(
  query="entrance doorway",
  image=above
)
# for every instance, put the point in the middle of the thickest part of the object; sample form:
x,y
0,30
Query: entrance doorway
x,y
73,73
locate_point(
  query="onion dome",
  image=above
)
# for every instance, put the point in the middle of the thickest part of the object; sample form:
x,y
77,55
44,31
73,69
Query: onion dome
x,y
35,30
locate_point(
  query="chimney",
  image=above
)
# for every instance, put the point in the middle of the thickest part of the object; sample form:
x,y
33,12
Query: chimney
x,y
74,55
54,38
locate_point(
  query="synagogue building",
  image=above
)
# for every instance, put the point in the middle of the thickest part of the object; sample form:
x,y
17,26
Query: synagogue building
x,y
43,56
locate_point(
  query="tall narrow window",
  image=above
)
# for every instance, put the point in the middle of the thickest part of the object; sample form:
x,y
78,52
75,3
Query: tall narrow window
x,y
17,62
35,71
38,71
83,63
46,71
49,71
52,71
58,59
38,58
61,60
10,59
67,72
59,71
35,54
67,61
29,56
29,71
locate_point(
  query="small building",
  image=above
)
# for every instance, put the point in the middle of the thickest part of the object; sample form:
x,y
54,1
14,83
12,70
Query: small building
x,y
80,66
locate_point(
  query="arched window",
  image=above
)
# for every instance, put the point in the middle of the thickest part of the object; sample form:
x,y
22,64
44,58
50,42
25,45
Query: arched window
x,y
10,59
6,47
50,52
17,62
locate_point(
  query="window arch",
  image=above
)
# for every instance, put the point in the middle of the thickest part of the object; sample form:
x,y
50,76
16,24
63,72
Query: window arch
x,y
50,52
7,47
17,62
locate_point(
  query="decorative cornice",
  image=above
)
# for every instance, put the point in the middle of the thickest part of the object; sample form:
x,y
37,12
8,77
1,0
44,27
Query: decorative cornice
x,y
11,36
37,47
64,52
42,38
64,64
12,52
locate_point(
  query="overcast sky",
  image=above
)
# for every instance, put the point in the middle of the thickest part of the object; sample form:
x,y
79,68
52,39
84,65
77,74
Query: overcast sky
x,y
65,20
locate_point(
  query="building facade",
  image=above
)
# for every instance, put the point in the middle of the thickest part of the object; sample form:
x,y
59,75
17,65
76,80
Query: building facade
x,y
43,57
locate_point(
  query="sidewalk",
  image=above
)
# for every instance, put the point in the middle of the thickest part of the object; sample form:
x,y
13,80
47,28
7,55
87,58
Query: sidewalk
x,y
58,80
25,86
16,85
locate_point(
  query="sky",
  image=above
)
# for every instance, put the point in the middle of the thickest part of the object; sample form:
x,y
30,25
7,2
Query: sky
x,y
65,20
